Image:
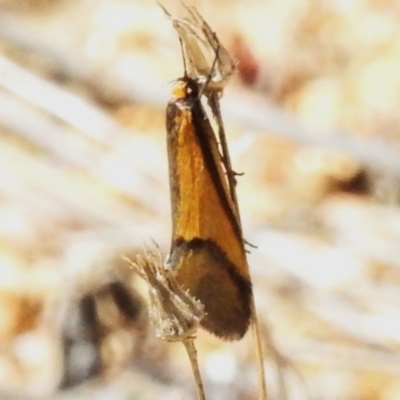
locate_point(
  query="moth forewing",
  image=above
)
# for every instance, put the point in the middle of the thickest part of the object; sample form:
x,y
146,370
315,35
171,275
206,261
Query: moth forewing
x,y
207,249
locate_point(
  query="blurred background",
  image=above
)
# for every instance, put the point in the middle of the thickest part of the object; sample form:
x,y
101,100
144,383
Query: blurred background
x,y
312,120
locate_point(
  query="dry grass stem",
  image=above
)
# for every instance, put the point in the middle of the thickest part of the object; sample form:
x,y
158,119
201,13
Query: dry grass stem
x,y
208,62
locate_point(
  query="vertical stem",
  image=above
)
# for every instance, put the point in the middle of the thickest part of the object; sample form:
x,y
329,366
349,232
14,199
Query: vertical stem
x,y
259,352
192,353
213,101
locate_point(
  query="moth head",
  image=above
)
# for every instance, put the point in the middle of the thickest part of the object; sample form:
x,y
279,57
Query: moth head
x,y
185,88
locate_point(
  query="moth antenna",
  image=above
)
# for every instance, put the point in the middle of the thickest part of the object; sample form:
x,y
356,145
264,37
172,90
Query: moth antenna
x,y
183,58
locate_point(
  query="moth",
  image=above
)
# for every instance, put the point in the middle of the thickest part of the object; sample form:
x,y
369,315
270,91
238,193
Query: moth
x,y
207,250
